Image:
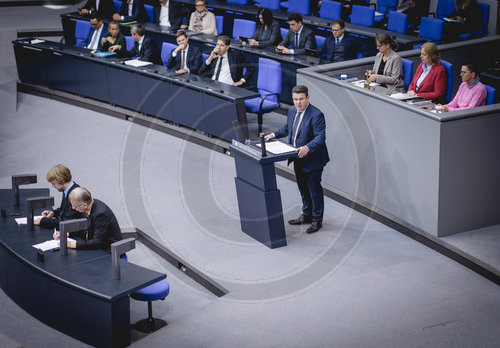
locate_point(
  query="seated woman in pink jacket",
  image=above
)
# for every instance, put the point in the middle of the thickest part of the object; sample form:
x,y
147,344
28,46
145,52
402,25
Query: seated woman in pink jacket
x,y
429,81
471,92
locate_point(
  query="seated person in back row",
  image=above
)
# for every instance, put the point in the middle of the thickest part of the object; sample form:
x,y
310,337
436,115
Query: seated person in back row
x,y
168,14
96,32
186,58
228,65
114,38
131,10
268,31
144,49
102,226
340,46
298,36
202,20
104,7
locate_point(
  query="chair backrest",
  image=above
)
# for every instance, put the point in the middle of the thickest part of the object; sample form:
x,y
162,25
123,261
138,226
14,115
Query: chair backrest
x,y
445,8
448,67
270,4
237,2
117,4
299,6
383,5
284,31
269,78
150,11
81,31
204,56
363,15
491,94
330,9
320,40
407,70
431,29
219,24
485,18
166,50
130,42
243,27
398,22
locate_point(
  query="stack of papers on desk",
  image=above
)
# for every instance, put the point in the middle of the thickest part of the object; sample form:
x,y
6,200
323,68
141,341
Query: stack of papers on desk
x,y
24,221
403,96
137,63
50,245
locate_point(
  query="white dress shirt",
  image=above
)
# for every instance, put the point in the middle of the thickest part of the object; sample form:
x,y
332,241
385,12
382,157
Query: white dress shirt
x,y
94,42
225,72
174,54
164,12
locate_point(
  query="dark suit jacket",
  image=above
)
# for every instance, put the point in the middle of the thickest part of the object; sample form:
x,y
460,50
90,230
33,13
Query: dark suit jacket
x,y
64,212
102,229
138,12
433,87
272,37
149,52
106,7
104,31
175,14
352,45
311,133
237,62
194,60
306,40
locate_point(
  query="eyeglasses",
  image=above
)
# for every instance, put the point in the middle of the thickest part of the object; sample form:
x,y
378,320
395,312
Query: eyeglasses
x,y
76,206
379,45
199,5
463,72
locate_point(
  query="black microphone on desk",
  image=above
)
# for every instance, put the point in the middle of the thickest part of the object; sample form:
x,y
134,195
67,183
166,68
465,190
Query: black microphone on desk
x,y
263,146
393,88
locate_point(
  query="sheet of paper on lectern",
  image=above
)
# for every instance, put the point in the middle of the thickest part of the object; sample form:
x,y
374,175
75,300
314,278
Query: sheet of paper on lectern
x,y
50,244
278,147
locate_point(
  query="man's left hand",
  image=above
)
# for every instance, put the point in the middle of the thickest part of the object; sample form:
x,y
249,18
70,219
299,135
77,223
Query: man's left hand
x,y
303,151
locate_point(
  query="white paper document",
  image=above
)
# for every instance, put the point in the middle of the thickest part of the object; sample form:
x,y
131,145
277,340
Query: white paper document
x,y
402,96
278,147
50,244
24,221
36,41
361,83
137,63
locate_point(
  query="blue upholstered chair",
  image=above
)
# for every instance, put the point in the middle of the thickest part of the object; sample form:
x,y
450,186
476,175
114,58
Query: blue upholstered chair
x,y
384,7
300,6
363,15
243,27
117,4
284,31
407,71
154,292
269,87
491,94
219,24
204,56
166,50
284,4
81,31
330,10
431,29
320,40
398,22
485,17
444,8
130,42
448,67
150,11
270,4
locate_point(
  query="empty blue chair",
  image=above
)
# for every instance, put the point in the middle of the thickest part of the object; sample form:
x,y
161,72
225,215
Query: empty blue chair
x,y
448,67
363,15
330,10
130,42
407,71
243,27
81,31
117,4
300,6
384,7
491,94
269,87
219,24
445,8
237,2
398,22
166,50
154,292
150,11
270,4
320,40
431,29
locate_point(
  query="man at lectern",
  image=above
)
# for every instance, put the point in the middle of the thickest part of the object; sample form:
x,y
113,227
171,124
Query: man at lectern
x,y
305,128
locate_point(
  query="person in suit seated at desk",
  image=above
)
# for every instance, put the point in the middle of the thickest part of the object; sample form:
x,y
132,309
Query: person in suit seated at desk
x,y
471,92
185,58
202,20
96,32
168,14
298,36
131,10
341,46
102,226
114,40
60,178
429,81
228,65
104,7
268,31
145,48
388,65
305,129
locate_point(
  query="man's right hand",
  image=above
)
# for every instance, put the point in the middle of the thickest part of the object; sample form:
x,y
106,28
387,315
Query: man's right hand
x,y
48,213
83,11
268,137
115,48
117,17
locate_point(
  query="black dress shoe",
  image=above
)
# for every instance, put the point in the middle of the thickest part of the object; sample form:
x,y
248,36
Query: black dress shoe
x,y
315,226
301,220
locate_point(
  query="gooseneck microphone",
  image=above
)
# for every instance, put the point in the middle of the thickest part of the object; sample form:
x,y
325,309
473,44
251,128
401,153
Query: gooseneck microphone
x,y
396,84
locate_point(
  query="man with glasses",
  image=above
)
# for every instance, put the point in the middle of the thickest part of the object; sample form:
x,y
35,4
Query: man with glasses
x,y
341,46
201,20
96,32
168,14
299,37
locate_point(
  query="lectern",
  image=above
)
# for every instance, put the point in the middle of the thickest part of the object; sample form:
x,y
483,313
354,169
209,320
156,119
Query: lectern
x,y
259,199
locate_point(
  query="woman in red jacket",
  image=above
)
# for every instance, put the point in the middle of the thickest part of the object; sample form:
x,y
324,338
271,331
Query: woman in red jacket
x,y
429,81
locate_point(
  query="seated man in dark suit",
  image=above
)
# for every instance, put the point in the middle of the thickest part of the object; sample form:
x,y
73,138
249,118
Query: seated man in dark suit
x,y
185,58
340,46
145,48
96,32
169,14
60,178
102,228
228,67
131,10
298,36
104,7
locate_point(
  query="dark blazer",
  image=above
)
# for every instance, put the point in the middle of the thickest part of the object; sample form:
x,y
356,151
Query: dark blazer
x,y
352,45
138,12
237,62
272,37
102,229
149,51
175,14
64,212
194,60
306,40
433,87
106,7
310,133
104,31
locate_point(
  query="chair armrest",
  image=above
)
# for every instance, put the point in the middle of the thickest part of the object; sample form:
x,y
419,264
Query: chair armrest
x,y
264,98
